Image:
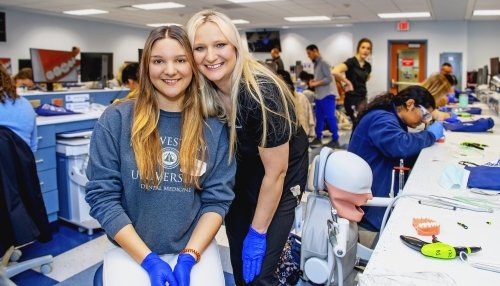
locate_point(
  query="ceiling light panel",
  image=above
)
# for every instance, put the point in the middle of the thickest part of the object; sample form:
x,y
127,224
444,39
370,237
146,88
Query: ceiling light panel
x,y
307,19
163,24
486,13
341,17
240,21
404,15
250,1
85,12
159,5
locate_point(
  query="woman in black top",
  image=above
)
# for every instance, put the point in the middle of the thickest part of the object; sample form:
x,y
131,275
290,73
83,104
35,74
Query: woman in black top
x,y
354,73
270,146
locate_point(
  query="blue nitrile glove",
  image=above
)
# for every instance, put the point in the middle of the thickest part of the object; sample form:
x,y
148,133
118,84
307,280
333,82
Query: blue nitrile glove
x,y
453,118
182,270
451,98
158,270
437,129
254,248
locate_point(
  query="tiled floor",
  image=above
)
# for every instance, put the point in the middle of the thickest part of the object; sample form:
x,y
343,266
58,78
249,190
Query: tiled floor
x,y
66,239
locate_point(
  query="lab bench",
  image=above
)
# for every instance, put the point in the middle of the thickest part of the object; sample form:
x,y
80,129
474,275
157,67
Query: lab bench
x,y
50,126
101,96
394,261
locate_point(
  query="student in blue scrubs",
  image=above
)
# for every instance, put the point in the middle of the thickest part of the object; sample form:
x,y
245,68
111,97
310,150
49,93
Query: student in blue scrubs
x,y
381,138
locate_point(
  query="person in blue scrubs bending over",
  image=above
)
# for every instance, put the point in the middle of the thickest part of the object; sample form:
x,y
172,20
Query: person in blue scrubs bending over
x,y
382,139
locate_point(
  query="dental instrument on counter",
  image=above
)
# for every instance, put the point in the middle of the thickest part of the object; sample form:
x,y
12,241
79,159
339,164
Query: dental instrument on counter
x,y
437,249
432,203
480,202
474,145
460,204
484,265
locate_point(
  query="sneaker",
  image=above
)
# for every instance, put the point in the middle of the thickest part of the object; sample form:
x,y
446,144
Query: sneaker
x,y
334,144
315,143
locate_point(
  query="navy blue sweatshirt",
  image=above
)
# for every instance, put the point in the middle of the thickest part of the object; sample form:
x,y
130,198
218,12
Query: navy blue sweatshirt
x,y
163,216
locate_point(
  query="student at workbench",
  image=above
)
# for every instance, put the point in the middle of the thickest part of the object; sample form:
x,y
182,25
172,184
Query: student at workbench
x,y
381,138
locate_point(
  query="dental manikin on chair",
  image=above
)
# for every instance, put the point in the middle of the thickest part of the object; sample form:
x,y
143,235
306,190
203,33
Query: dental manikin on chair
x,y
341,182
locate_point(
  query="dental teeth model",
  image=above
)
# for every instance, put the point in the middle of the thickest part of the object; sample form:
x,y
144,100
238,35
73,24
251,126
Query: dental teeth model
x,y
426,226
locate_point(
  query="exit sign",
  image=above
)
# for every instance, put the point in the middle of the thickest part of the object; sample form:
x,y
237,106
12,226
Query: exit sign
x,y
403,26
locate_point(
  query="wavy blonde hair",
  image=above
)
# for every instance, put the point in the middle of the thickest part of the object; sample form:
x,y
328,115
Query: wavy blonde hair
x,y
145,135
247,71
438,85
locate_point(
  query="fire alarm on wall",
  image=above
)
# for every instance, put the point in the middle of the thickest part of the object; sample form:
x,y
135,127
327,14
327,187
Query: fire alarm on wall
x,y
403,26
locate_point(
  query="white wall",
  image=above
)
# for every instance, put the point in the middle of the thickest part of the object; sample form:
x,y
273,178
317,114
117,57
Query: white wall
x,y
474,40
334,44
483,43
29,30
448,36
478,41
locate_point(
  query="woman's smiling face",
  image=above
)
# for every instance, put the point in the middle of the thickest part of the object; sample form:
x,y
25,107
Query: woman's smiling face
x,y
170,73
214,55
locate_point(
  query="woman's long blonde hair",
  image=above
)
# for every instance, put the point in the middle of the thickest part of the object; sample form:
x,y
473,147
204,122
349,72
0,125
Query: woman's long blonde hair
x,y
145,135
247,71
438,85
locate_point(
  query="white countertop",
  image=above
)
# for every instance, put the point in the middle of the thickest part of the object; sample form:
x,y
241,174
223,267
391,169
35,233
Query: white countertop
x,y
45,120
391,257
70,91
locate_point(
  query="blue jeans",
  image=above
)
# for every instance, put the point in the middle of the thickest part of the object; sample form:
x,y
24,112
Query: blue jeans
x,y
325,109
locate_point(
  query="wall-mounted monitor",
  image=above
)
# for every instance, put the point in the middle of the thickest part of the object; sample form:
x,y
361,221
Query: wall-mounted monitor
x,y
482,75
24,63
96,66
494,66
51,66
263,41
479,76
486,75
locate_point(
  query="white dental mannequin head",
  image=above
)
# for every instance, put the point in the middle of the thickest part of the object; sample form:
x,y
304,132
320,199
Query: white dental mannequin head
x,y
348,179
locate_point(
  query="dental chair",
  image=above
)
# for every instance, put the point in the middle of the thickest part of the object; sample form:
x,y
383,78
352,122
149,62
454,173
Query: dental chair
x,y
340,182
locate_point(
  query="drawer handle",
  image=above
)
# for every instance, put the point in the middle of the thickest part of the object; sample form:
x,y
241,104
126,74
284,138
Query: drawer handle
x,y
42,183
39,138
39,161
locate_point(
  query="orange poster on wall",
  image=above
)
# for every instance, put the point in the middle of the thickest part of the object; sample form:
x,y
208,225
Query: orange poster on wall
x,y
53,66
7,64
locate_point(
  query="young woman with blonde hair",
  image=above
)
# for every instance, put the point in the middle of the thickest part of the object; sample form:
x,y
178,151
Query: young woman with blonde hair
x,y
160,174
439,85
270,145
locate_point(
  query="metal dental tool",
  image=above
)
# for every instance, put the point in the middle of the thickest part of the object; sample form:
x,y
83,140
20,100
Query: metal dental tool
x,y
460,204
484,265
